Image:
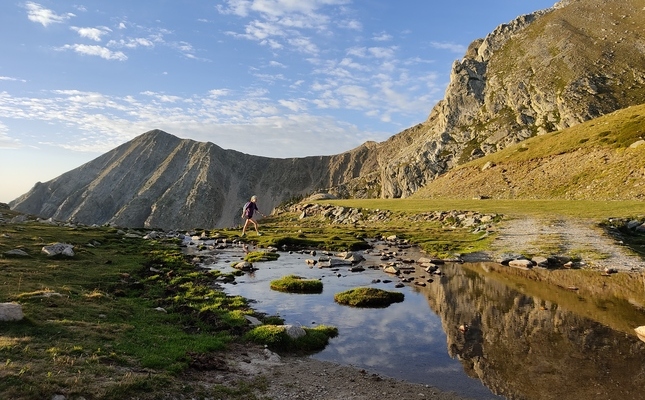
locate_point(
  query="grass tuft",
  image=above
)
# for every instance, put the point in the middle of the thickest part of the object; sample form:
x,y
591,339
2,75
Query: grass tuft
x,y
297,284
368,297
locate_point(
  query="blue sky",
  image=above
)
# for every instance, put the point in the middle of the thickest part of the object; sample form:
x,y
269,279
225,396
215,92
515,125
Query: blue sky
x,y
277,78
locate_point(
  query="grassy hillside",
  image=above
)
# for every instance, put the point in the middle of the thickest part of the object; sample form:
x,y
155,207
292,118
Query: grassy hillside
x,y
601,159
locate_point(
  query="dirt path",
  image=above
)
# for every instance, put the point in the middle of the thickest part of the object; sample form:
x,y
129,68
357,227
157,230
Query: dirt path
x,y
573,238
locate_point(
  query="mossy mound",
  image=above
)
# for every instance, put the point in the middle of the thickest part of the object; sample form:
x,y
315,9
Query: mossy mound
x,y
297,284
276,338
368,297
256,256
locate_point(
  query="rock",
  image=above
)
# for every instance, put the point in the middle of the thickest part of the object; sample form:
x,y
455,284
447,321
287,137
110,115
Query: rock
x,y
59,249
391,269
294,331
558,260
11,312
640,332
521,263
351,256
244,266
254,321
540,261
19,219
335,262
16,253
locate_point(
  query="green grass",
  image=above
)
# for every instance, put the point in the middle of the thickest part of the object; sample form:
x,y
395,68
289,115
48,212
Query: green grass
x,y
256,256
368,297
119,306
512,208
297,284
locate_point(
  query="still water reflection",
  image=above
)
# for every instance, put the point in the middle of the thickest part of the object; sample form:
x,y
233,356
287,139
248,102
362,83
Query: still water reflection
x,y
525,340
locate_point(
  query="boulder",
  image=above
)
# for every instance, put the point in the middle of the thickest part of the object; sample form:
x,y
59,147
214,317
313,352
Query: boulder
x,y
521,263
391,269
244,266
59,249
294,331
16,253
11,312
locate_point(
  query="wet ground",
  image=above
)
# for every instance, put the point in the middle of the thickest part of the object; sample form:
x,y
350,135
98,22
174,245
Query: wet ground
x,y
464,330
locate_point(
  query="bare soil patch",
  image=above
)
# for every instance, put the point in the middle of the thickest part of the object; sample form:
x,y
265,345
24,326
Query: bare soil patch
x,y
570,237
292,377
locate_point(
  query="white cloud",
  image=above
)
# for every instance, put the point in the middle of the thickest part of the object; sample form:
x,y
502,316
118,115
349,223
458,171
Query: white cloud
x,y
44,16
304,45
350,63
382,52
7,142
131,43
351,24
92,33
95,50
281,24
382,37
8,78
215,93
293,105
454,48
97,122
356,97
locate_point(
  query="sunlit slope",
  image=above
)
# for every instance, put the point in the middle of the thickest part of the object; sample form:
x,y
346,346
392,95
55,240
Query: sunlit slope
x,y
601,159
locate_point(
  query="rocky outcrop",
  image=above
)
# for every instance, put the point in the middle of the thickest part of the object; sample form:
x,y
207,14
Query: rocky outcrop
x,y
542,72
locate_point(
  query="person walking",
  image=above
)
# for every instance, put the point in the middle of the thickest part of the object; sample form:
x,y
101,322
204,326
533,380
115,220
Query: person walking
x,y
247,213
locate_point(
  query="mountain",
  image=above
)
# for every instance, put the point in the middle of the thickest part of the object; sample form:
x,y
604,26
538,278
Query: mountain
x,y
601,159
541,73
158,180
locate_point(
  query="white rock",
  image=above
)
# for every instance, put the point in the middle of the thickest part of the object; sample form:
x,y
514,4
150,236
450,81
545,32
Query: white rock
x,y
11,312
59,248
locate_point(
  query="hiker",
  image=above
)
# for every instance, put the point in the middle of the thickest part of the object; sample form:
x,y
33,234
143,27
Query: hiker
x,y
247,213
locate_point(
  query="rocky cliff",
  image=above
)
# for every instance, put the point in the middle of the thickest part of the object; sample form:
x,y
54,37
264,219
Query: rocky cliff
x,y
542,72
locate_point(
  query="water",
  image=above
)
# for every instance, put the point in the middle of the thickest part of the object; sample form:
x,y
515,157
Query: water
x,y
516,345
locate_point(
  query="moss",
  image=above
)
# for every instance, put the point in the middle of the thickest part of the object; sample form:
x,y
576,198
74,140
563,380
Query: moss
x,y
256,256
296,284
276,338
368,297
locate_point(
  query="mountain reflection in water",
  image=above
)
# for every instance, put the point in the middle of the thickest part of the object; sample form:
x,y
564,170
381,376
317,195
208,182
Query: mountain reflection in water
x,y
525,338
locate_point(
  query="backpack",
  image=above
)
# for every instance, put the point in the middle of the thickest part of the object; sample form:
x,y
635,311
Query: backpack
x,y
245,209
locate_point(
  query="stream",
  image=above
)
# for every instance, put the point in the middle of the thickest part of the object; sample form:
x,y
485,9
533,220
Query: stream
x,y
470,330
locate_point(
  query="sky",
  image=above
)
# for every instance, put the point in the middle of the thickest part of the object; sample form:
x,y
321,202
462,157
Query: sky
x,y
275,78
